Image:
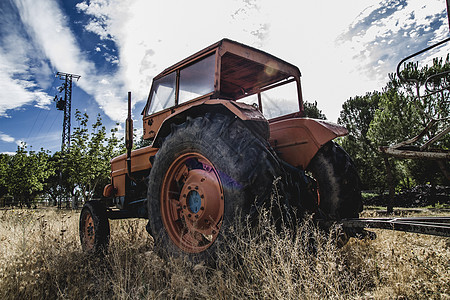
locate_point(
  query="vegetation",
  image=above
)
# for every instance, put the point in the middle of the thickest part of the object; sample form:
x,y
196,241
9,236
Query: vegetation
x,y
312,111
40,258
395,115
86,166
24,174
82,170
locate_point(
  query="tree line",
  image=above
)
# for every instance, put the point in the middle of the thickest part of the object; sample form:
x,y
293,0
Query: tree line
x,y
378,118
79,172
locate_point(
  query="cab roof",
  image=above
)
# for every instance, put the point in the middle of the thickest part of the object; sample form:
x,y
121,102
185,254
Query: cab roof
x,y
240,69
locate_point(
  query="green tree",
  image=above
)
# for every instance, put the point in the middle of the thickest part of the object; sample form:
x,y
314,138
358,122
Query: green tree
x,y
356,115
395,115
312,111
406,109
85,165
4,165
27,172
53,184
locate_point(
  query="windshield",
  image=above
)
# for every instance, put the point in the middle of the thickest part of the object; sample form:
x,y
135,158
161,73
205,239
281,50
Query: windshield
x,y
163,93
276,102
195,80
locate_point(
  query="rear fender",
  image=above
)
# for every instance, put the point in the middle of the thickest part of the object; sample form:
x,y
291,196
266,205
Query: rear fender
x,y
297,140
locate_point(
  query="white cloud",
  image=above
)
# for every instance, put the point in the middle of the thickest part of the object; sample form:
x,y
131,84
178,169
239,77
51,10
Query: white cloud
x,y
303,34
20,64
48,28
144,51
336,49
16,88
391,31
9,153
6,138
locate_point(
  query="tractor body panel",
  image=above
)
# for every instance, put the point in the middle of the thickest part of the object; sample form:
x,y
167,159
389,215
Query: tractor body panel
x,y
141,162
297,140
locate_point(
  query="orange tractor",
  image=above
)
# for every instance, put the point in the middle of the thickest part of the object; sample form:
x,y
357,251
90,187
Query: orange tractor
x,y
226,127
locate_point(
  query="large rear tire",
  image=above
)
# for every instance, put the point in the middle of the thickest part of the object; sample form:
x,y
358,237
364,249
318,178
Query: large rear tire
x,y
338,182
208,171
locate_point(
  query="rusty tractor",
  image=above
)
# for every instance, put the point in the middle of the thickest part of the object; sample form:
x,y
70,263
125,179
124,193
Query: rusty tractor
x,y
225,125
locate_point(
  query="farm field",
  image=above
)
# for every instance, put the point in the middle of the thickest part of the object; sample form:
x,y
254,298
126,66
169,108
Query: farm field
x,y
41,258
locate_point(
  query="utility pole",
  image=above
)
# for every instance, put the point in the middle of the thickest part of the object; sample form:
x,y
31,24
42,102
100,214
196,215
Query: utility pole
x,y
65,104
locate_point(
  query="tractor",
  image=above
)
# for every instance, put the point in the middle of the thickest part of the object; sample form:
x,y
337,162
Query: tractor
x,y
226,125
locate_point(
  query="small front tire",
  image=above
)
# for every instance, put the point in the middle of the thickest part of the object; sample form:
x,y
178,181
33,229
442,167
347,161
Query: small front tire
x,y
94,227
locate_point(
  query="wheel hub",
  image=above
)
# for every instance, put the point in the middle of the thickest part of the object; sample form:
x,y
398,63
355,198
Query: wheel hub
x,y
89,232
192,203
201,202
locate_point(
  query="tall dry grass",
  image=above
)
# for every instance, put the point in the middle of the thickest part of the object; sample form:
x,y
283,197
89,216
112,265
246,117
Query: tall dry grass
x,y
40,258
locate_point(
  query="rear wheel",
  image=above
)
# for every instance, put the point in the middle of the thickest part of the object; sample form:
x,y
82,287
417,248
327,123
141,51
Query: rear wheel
x,y
338,182
208,171
94,227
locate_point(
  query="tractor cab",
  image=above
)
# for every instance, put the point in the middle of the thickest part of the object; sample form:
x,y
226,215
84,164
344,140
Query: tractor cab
x,y
226,70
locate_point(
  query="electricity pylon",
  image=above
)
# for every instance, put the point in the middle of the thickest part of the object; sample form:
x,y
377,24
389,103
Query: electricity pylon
x,y
66,106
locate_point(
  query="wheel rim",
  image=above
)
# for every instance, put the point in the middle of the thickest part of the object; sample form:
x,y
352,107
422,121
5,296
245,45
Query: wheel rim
x,y
88,232
192,202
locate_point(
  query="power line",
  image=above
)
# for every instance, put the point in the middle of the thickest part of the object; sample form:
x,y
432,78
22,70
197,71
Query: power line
x,y
31,129
42,124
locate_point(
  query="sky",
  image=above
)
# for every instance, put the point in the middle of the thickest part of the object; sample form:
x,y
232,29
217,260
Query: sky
x,y
343,49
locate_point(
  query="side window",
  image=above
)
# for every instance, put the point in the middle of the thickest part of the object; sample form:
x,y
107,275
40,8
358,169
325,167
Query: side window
x,y
163,93
250,100
280,101
197,79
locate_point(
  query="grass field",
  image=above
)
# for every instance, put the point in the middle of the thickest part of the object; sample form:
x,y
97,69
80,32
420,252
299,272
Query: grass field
x,y
40,258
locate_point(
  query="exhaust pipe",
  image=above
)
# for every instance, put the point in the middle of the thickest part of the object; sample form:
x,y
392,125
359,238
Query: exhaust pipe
x,y
129,136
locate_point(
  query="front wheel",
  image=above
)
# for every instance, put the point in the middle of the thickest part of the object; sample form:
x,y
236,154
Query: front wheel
x,y
94,227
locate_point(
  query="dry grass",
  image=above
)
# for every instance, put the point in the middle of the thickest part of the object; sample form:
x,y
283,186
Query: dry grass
x,y
40,258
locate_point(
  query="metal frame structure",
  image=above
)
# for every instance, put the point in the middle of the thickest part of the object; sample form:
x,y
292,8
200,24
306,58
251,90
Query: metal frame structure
x,y
439,226
404,149
66,106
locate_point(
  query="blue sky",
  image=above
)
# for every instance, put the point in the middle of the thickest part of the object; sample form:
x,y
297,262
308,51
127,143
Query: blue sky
x,y
343,48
